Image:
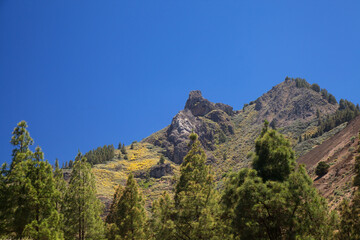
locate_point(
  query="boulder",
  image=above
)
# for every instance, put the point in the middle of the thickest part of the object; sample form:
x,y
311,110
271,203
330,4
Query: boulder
x,y
161,170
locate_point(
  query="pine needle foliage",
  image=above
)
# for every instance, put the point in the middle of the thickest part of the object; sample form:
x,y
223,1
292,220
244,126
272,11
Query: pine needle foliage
x,y
196,203
82,208
259,205
350,221
162,226
112,216
30,192
130,214
274,159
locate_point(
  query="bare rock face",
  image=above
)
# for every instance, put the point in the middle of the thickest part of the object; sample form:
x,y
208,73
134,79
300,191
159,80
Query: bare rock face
x,y
198,105
226,108
161,170
178,133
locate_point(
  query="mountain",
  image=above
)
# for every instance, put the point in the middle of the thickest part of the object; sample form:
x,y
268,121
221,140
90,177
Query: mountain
x,y
229,135
294,107
339,152
210,121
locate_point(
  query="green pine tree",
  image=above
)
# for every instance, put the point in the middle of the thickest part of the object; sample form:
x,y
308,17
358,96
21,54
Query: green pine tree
x,y
21,141
275,210
196,208
262,206
82,208
42,194
274,159
112,216
111,228
350,222
60,186
162,226
15,202
130,217
4,201
30,191
123,150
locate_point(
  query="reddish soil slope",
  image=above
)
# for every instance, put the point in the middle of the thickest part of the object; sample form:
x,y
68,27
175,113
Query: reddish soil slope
x,y
339,152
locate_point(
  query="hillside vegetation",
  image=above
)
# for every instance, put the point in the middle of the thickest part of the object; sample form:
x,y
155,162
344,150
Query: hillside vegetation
x,y
273,170
141,160
294,107
275,199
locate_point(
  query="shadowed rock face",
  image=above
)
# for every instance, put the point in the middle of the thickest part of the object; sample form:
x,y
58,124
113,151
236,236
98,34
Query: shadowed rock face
x,y
198,105
204,118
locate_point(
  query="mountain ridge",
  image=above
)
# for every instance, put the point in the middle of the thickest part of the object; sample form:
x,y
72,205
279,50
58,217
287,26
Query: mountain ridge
x,y
284,104
294,107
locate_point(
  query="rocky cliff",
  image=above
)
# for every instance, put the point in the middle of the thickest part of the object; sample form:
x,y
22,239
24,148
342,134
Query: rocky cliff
x,y
212,122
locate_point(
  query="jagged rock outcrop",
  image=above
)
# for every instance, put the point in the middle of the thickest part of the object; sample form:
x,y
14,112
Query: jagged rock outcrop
x,y
207,119
198,105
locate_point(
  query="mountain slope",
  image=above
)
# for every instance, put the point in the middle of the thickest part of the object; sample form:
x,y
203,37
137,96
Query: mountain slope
x,y
227,136
339,152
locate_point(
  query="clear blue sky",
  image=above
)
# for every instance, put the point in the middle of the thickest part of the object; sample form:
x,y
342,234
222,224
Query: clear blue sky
x,y
89,73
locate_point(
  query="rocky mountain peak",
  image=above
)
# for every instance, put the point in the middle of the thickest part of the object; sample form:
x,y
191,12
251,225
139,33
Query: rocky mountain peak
x,y
195,94
287,103
290,101
209,120
198,105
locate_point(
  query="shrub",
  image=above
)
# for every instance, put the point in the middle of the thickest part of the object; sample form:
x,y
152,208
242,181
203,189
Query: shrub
x,y
325,94
346,112
322,168
332,99
315,87
301,83
245,105
162,160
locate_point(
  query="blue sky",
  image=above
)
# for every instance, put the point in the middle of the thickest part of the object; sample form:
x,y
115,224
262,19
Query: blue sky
x,y
88,73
